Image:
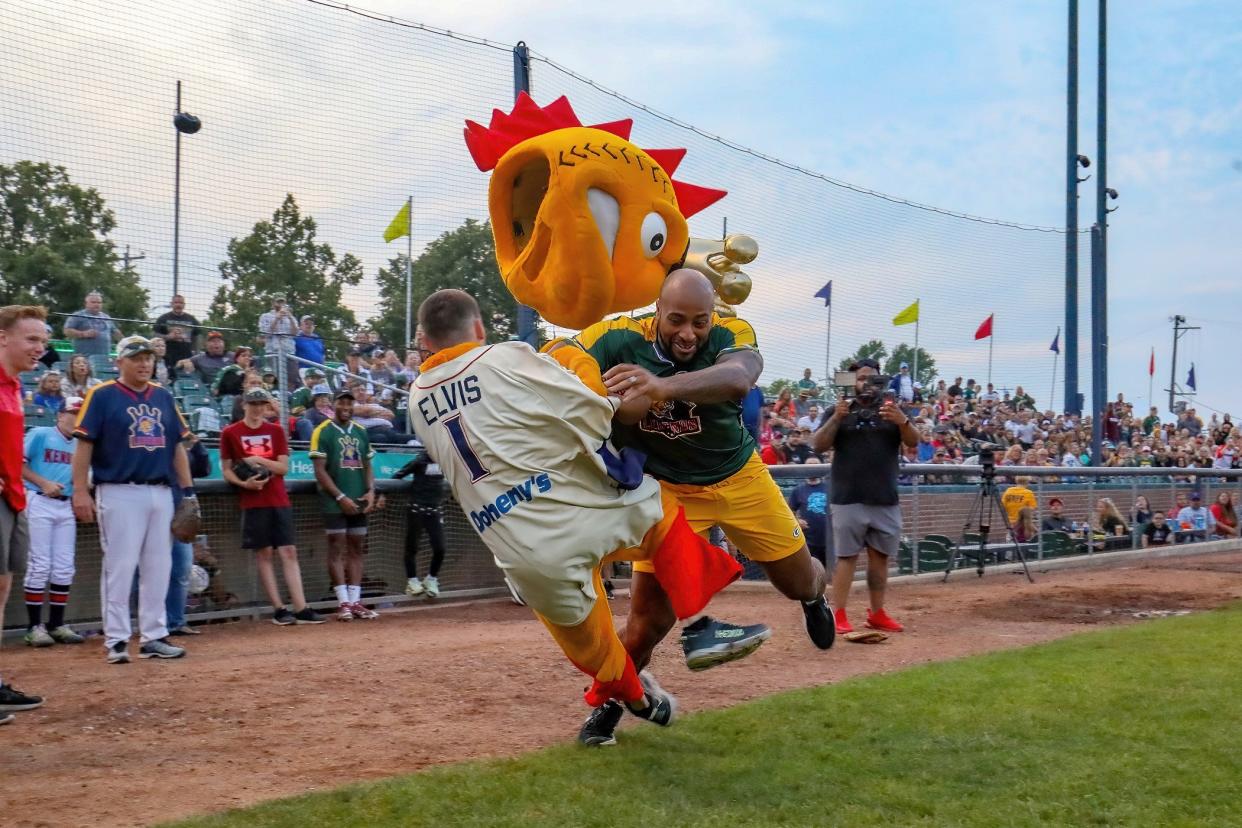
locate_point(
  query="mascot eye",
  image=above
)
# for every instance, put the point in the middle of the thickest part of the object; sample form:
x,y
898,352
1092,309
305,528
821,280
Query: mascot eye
x,y
654,234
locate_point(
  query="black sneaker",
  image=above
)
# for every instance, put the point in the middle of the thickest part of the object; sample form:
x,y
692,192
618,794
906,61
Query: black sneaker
x,y
306,615
708,642
13,700
661,706
600,728
820,625
609,590
283,618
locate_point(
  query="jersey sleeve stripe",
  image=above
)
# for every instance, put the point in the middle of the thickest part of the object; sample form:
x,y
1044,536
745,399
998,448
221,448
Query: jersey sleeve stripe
x,y
78,431
315,451
589,336
743,333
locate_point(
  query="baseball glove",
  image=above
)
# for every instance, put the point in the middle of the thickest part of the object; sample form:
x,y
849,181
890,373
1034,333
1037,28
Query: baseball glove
x,y
866,637
187,521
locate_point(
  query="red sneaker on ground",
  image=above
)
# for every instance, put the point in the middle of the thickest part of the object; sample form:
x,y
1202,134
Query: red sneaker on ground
x,y
880,620
843,624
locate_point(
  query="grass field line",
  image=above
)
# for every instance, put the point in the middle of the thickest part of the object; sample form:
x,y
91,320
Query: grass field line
x,y
1134,725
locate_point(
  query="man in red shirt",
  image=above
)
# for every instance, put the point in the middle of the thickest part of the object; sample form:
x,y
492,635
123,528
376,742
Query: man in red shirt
x,y
254,457
23,339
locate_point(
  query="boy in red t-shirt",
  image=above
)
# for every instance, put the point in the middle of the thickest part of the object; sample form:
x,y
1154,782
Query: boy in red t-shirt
x,y
254,457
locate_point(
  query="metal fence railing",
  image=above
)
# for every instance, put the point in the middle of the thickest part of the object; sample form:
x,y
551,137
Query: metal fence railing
x,y
927,509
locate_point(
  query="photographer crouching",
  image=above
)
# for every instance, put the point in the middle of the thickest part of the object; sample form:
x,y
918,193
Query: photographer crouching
x,y
866,432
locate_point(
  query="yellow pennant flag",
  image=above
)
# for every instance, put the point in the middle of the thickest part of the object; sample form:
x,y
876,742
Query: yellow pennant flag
x,y
400,224
908,316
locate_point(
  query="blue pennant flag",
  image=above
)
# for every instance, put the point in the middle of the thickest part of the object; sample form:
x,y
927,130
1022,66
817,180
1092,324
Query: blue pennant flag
x,y
825,293
1190,380
1055,347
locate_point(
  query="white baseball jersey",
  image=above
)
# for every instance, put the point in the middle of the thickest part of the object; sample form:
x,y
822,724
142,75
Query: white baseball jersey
x,y
516,436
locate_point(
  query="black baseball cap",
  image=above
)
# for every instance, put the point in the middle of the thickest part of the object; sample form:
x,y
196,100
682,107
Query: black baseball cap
x,y
343,393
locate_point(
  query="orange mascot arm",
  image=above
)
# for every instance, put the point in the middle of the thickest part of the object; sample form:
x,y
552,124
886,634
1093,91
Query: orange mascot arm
x,y
577,362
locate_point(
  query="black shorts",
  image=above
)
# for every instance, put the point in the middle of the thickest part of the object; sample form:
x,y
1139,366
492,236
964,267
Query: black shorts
x,y
339,523
267,526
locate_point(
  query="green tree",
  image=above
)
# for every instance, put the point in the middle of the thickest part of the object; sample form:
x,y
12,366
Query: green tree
x,y
872,350
463,258
281,258
905,353
54,245
777,386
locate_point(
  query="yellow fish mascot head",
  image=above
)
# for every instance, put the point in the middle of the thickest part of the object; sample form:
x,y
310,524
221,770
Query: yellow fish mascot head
x,y
586,223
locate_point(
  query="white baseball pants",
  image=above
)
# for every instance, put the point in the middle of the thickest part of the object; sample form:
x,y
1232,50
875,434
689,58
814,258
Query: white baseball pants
x,y
133,531
53,536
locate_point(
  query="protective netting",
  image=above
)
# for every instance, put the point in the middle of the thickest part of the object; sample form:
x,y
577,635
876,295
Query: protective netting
x,y
351,113
881,253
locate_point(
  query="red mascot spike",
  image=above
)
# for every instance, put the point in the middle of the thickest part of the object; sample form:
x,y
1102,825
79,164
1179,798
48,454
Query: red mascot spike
x,y
505,131
691,198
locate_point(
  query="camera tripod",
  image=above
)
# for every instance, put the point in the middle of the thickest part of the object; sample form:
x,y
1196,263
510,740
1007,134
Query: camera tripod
x,y
986,504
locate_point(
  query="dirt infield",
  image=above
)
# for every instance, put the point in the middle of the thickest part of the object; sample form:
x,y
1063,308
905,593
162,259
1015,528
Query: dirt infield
x,y
257,711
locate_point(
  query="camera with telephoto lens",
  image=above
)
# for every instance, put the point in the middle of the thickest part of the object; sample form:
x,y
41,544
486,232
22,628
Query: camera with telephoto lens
x,y
865,403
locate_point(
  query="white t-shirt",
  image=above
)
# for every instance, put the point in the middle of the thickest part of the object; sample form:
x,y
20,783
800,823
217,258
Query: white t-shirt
x,y
516,436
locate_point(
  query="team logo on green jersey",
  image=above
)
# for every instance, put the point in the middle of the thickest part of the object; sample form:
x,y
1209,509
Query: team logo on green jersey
x,y
671,419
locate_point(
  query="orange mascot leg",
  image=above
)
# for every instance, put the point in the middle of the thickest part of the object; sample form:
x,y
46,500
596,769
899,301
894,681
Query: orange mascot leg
x,y
595,649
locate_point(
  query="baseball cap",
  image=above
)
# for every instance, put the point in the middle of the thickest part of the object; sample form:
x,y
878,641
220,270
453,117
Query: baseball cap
x,y
241,348
313,372
343,393
72,405
321,390
1056,501
215,335
257,395
905,365
132,346
1196,496
307,316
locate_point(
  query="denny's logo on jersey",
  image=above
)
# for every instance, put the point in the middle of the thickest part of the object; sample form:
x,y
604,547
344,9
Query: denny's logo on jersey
x,y
671,419
146,427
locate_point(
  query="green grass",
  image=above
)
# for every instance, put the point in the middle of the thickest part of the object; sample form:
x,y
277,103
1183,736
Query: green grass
x,y
1133,726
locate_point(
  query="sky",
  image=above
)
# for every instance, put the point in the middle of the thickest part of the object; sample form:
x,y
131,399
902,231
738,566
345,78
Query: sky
x,y
957,105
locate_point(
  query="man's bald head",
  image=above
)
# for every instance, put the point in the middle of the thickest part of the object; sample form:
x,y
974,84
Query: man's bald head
x,y
684,313
688,286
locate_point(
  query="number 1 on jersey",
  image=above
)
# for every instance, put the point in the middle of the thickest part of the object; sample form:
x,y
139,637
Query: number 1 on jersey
x,y
471,460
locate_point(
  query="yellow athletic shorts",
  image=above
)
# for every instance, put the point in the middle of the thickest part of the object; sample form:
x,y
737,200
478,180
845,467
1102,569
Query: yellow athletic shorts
x,y
748,506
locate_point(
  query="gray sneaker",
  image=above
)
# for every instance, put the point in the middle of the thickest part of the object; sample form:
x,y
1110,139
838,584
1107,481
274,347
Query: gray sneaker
x,y
64,635
160,648
118,653
38,637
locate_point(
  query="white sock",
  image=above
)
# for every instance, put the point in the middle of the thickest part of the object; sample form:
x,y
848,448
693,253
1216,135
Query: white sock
x,y
342,593
355,593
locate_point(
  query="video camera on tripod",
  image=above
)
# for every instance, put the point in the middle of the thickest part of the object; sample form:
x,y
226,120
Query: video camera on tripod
x,y
865,402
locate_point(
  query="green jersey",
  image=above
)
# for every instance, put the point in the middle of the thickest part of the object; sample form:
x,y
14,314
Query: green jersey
x,y
347,452
300,399
693,443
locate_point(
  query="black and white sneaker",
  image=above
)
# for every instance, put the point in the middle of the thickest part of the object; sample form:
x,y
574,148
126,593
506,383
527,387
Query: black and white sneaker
x,y
660,705
306,615
118,653
283,618
6,718
13,700
600,728
160,648
708,642
820,625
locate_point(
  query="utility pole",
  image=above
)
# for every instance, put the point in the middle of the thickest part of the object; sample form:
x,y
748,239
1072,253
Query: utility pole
x,y
127,259
1179,329
527,319
1070,404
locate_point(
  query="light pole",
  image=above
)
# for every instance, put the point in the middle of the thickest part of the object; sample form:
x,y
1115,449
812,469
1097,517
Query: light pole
x,y
187,124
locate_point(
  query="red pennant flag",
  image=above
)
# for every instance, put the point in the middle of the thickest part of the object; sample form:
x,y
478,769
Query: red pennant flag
x,y
1151,366
985,330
